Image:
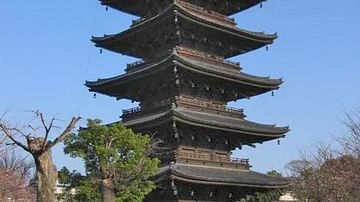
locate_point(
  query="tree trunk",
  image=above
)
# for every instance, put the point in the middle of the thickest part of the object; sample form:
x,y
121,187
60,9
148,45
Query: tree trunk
x,y
107,191
46,177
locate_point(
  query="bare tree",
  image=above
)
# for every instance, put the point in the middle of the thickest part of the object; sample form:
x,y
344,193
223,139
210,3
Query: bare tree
x,y
3,139
351,142
325,176
13,187
39,147
329,174
13,161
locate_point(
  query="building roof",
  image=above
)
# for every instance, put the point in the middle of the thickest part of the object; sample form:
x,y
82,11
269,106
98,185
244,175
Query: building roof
x,y
223,176
239,126
160,31
115,86
229,123
144,7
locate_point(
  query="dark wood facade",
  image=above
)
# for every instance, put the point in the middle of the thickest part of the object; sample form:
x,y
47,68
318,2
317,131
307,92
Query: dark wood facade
x,y
183,83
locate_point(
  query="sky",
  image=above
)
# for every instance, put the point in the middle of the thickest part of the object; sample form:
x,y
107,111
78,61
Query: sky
x,y
46,56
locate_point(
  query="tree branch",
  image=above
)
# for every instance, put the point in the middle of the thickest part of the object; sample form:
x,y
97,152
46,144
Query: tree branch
x,y
47,129
66,132
3,115
10,136
42,119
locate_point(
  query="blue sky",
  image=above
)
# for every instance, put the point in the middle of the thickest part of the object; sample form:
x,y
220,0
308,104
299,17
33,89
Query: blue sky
x,y
46,56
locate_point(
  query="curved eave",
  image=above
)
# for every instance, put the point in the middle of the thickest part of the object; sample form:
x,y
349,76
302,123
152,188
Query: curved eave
x,y
224,176
123,5
104,85
239,77
229,124
251,35
109,42
206,120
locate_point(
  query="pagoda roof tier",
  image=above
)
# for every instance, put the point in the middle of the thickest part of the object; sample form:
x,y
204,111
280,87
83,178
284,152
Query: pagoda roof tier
x,y
251,131
205,175
179,25
145,7
223,76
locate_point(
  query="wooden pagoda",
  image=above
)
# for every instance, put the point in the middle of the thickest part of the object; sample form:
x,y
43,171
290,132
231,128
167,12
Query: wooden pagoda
x,y
183,83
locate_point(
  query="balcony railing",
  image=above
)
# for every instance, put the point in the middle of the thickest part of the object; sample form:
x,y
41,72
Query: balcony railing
x,y
240,161
131,110
233,109
135,64
205,104
187,101
207,157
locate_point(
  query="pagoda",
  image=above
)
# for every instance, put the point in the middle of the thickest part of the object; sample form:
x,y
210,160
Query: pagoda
x,y
183,83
